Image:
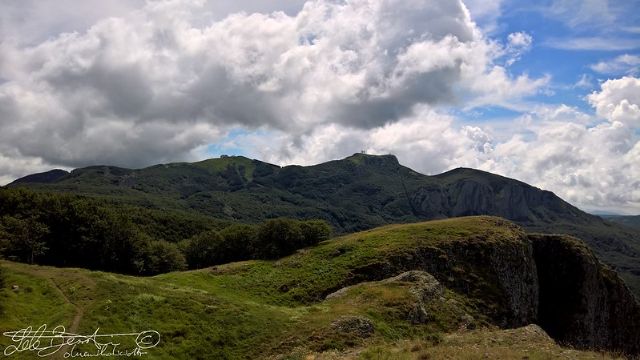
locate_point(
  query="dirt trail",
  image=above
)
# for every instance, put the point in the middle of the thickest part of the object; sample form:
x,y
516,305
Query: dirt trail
x,y
75,322
79,305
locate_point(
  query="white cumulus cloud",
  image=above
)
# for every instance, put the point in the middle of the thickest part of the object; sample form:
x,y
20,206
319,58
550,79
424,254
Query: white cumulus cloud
x,y
163,81
619,101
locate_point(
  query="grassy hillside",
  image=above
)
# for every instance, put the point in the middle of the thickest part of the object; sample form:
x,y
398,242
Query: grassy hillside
x,y
277,309
528,342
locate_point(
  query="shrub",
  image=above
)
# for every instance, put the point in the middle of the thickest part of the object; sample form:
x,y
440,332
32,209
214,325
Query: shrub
x,y
159,257
315,231
239,242
278,237
202,250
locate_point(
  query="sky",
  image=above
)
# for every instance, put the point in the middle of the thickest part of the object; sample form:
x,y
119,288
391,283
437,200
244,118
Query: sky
x,y
547,93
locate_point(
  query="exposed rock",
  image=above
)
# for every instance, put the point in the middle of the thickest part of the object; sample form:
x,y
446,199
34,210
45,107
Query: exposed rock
x,y
517,277
504,276
470,197
338,252
354,325
338,294
583,303
467,322
425,288
555,281
535,331
419,315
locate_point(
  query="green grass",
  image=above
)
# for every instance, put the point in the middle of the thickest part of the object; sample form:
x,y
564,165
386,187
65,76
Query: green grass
x,y
521,343
197,323
312,273
274,309
35,298
243,165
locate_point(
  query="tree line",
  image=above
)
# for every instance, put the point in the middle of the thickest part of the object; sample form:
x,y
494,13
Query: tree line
x,y
75,231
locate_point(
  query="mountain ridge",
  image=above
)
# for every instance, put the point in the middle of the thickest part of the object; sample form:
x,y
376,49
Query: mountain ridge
x,y
356,193
632,221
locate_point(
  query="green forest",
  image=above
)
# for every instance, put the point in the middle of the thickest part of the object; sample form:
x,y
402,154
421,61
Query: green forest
x,y
76,231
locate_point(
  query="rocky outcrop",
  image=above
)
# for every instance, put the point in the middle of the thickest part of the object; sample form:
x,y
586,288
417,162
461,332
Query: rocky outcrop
x,y
425,289
551,280
468,194
354,325
501,274
424,304
582,302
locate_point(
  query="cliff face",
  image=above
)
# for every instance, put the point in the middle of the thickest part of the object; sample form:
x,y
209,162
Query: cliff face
x,y
583,303
464,192
499,273
554,281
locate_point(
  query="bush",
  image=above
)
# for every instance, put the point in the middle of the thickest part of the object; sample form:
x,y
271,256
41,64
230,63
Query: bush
x,y
278,237
159,257
239,242
315,231
202,250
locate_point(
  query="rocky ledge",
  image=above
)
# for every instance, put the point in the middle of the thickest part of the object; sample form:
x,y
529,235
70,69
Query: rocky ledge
x,y
554,281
